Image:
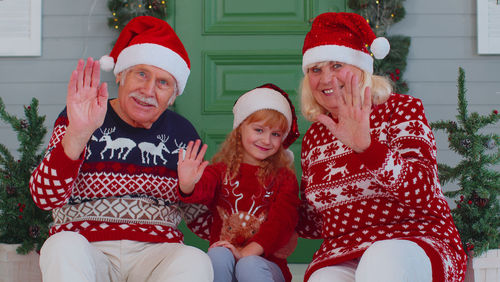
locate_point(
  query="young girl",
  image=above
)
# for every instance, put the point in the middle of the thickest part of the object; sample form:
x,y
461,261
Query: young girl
x,y
250,188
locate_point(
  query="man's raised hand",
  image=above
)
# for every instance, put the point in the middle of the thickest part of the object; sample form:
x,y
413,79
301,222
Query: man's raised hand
x,y
86,105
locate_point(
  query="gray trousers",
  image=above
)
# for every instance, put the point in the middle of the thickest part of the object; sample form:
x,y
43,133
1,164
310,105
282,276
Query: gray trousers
x,y
251,268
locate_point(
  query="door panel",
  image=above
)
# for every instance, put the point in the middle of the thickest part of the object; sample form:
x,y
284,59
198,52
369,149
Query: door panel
x,y
235,46
256,17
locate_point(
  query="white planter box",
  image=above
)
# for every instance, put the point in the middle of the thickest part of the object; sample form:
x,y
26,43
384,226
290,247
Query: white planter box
x,y
484,268
18,268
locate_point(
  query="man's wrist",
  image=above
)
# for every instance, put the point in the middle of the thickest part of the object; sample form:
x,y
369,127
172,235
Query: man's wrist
x,y
74,143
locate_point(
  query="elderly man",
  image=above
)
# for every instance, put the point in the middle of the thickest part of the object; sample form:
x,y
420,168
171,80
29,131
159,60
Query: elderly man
x,y
110,171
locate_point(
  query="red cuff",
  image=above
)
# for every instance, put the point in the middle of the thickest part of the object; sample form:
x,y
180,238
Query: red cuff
x,y
66,167
374,156
182,195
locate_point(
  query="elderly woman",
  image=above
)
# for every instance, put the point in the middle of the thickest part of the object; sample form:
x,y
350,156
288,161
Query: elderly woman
x,y
369,184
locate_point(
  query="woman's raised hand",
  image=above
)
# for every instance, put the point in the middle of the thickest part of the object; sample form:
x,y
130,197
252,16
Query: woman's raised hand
x,y
353,125
191,165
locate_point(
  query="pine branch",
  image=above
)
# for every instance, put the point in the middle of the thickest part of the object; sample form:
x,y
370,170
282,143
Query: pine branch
x,y
462,102
21,222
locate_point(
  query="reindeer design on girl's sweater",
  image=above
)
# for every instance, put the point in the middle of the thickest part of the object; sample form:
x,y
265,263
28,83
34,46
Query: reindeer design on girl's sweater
x,y
239,226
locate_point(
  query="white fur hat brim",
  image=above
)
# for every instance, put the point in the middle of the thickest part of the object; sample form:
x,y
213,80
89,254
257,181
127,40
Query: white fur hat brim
x,y
325,53
260,99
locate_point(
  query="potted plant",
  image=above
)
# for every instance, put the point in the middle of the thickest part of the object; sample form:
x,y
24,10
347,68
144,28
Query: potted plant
x,y
477,212
23,226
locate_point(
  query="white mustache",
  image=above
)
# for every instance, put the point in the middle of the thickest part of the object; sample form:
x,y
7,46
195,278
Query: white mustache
x,y
147,100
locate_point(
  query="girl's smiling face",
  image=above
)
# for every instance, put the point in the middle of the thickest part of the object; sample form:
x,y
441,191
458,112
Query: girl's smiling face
x,y
259,141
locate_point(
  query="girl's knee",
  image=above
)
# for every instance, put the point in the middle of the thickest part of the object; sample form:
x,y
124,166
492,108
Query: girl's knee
x,y
221,255
248,268
250,262
220,252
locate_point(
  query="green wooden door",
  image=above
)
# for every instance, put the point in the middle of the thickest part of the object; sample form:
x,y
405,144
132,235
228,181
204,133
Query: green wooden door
x,y
234,46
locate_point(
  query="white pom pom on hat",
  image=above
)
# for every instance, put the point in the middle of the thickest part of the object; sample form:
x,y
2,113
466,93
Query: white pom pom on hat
x,y
343,37
380,47
107,63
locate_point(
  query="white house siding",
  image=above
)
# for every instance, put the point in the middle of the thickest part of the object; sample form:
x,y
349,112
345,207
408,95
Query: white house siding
x,y
71,29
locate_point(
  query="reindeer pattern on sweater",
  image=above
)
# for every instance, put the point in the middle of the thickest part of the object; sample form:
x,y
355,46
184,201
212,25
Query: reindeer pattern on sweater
x,y
124,184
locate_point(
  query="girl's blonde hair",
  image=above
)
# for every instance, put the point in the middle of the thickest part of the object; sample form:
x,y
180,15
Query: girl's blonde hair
x,y
231,150
381,89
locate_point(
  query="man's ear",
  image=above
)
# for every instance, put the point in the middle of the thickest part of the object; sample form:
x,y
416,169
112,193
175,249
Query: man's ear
x,y
118,78
172,99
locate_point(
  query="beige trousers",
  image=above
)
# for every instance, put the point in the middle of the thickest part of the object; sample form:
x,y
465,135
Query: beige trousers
x,y
68,256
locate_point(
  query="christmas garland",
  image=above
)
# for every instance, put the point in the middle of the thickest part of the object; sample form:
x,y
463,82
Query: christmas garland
x,y
381,14
124,10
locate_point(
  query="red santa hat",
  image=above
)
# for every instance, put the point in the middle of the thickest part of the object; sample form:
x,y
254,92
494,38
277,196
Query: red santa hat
x,y
343,37
150,41
267,96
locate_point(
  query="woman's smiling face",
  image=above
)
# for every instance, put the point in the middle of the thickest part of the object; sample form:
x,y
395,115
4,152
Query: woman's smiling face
x,y
321,78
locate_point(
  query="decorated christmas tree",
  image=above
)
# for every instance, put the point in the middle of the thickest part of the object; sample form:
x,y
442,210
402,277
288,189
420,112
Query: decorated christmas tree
x,y
21,221
381,14
477,214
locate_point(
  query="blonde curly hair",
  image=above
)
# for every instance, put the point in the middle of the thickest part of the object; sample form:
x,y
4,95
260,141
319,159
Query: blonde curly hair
x,y
231,150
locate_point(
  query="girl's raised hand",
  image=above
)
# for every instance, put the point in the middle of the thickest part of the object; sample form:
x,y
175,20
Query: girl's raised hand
x,y
353,125
191,165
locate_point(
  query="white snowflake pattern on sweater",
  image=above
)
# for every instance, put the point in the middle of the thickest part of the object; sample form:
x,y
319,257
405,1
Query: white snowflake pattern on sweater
x,y
389,191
